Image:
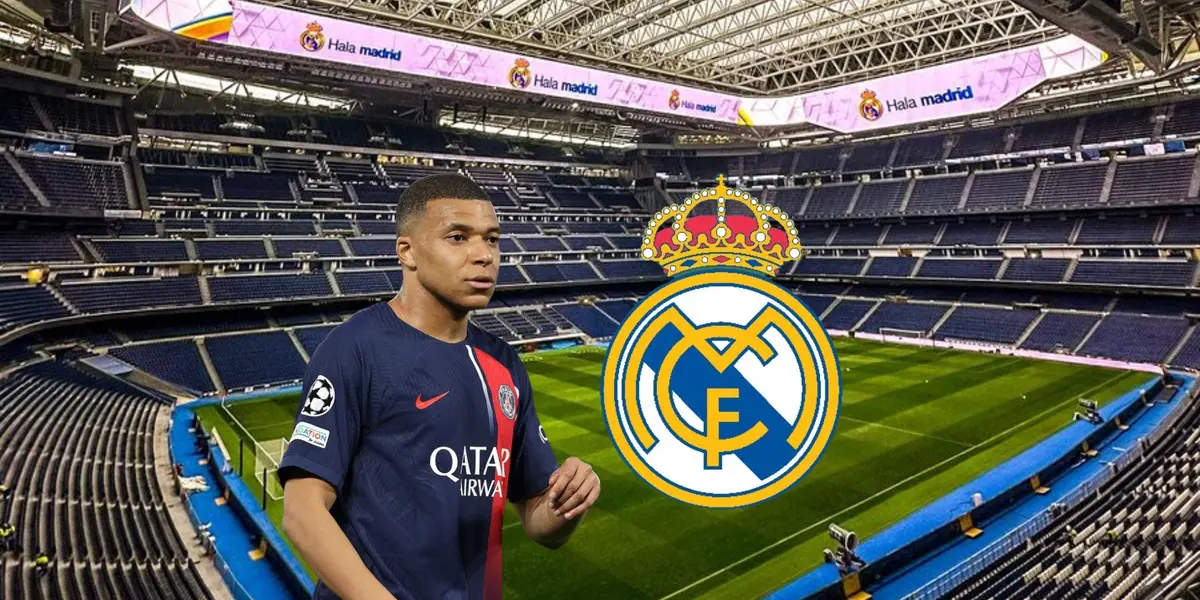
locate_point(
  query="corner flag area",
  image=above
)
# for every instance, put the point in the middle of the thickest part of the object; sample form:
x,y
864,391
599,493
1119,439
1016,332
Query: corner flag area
x,y
915,424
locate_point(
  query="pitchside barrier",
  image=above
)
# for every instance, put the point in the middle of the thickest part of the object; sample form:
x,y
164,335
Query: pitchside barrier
x,y
249,505
1017,480
983,559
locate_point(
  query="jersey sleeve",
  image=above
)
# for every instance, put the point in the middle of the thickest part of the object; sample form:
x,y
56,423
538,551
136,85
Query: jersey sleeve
x,y
533,457
329,419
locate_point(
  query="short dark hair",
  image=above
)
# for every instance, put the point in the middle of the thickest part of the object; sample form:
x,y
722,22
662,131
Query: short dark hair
x,y
443,186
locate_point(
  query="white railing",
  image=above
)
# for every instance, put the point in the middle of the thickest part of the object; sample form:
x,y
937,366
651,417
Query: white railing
x,y
978,562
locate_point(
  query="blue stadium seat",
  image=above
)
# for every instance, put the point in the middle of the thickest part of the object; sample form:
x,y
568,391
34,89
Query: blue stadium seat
x,y
251,359
997,325
1135,338
176,361
1060,330
234,288
27,304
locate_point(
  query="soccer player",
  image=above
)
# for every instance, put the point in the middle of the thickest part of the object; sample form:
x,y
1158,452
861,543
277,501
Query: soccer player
x,y
416,426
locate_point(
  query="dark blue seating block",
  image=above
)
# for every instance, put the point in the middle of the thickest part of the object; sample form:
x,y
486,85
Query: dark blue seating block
x,y
617,309
273,227
321,246
625,269
891,266
816,304
21,246
176,361
829,266
217,249
588,319
124,251
916,317
234,288
118,294
255,358
1128,272
373,246
28,304
1036,269
1189,354
363,282
311,337
1060,331
577,271
541,244
846,313
959,268
543,272
1040,231
509,274
1135,338
996,325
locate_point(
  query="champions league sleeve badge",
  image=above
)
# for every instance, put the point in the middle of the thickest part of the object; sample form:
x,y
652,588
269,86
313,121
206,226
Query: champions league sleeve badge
x,y
721,388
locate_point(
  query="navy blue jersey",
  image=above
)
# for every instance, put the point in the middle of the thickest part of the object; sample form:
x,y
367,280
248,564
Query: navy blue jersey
x,y
424,441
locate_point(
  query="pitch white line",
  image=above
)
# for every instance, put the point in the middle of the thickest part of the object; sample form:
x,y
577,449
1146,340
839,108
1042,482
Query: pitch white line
x,y
889,489
908,431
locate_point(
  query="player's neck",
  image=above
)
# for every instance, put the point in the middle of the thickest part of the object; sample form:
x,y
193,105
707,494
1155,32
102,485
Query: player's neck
x,y
429,315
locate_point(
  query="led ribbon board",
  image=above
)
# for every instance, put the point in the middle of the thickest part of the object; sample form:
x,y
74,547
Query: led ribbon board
x,y
294,33
976,85
966,87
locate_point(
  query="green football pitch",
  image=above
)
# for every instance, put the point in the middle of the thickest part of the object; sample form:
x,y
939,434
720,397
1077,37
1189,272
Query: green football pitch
x,y
916,423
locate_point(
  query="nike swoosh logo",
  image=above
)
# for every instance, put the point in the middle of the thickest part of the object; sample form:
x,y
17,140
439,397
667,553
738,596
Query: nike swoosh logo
x,y
426,404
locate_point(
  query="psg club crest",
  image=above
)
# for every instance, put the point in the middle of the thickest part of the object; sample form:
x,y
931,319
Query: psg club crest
x,y
313,38
508,402
519,76
721,388
319,399
870,108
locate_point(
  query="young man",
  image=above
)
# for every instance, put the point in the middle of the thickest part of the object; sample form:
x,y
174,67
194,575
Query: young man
x,y
416,427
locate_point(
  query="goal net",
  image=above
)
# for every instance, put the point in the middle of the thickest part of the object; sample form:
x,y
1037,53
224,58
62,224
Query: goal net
x,y
886,332
267,455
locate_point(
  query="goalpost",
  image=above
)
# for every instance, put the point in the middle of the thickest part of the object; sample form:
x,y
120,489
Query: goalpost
x,y
267,456
262,456
884,332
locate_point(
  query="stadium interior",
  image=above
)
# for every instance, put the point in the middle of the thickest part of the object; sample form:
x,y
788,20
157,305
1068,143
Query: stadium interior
x,y
182,222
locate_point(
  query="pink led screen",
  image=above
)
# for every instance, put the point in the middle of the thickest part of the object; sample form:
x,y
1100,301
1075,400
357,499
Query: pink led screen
x,y
300,34
961,88
971,86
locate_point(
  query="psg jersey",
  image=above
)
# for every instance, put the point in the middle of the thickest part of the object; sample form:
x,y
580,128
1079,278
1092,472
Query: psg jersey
x,y
424,442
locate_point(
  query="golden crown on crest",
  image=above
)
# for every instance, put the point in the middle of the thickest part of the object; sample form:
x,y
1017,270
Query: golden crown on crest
x,y
681,242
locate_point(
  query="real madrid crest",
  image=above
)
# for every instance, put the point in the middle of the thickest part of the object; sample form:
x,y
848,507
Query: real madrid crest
x,y
870,108
519,76
313,38
721,388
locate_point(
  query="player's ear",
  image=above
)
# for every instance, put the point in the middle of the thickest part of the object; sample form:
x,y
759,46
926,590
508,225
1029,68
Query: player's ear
x,y
404,252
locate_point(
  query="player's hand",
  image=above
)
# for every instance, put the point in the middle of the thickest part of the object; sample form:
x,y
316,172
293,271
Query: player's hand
x,y
574,487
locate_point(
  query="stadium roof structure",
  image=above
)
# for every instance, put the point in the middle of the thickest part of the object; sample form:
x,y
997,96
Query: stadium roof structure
x,y
748,48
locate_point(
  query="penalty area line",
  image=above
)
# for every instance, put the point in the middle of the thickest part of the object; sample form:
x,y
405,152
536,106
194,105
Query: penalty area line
x,y
908,431
888,490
